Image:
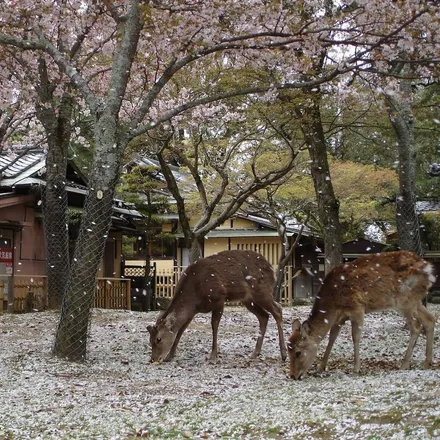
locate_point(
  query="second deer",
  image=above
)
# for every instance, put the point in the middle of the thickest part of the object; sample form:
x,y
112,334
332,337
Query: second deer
x,y
394,280
205,286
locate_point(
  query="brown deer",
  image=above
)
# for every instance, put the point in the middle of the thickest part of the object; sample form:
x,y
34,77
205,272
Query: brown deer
x,y
205,286
394,280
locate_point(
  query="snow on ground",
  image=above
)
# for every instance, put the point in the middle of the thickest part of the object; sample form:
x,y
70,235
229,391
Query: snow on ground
x,y
118,394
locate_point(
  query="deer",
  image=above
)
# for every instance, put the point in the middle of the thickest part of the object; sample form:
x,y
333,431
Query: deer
x,y
387,281
205,286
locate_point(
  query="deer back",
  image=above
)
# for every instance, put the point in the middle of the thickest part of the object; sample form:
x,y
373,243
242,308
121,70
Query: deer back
x,y
227,276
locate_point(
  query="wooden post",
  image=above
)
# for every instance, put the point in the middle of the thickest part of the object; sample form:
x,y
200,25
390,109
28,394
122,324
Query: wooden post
x,y
106,294
11,284
289,285
128,293
45,295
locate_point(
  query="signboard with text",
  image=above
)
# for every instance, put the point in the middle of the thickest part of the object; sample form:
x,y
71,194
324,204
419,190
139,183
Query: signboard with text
x,y
6,257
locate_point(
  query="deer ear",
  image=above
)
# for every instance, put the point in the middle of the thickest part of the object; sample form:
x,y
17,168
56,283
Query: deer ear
x,y
296,325
305,328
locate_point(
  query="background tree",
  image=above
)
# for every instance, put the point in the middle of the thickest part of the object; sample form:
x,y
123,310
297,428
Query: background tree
x,y
144,187
217,168
280,212
400,109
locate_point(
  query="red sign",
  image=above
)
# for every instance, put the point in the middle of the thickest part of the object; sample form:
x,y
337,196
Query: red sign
x,y
5,255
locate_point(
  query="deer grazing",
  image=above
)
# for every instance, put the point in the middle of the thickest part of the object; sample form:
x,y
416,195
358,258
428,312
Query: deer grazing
x,y
205,286
394,280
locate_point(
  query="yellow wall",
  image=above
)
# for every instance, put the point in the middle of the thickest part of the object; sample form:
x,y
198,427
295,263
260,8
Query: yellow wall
x,y
239,223
269,247
167,227
242,223
214,245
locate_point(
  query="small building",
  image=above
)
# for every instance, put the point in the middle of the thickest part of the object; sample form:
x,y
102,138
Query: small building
x,y
250,232
22,243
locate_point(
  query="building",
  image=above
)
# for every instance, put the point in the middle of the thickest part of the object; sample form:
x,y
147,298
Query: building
x,y
22,244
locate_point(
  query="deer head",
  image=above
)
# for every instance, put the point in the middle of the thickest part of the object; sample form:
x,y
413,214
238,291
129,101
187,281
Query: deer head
x,y
302,349
161,340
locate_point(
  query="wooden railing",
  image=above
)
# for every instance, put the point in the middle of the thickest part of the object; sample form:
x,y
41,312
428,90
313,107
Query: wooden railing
x,y
28,293
113,293
166,281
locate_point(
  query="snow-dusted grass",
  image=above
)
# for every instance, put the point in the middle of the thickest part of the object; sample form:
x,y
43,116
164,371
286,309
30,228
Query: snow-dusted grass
x,y
118,394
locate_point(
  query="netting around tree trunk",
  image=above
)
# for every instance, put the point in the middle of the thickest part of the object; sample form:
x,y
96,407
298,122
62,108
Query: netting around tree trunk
x,y
73,329
54,201
408,228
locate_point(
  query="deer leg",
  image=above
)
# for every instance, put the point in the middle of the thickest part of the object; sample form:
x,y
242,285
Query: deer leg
x,y
357,324
415,328
263,317
334,333
428,323
172,351
215,322
276,311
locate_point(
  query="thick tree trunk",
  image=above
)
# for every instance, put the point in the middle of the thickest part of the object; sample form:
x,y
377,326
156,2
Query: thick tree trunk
x,y
328,205
71,337
56,120
196,250
110,143
402,119
56,225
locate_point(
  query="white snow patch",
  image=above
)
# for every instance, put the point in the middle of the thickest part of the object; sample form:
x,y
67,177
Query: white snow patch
x,y
118,394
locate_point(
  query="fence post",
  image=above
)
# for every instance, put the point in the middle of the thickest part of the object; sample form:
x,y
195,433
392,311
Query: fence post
x,y
45,294
11,295
290,285
128,293
106,295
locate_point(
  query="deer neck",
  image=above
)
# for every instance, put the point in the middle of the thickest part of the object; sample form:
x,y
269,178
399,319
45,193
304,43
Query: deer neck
x,y
321,320
177,316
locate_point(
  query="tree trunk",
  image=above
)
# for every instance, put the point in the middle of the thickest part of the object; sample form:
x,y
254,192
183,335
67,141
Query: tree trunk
x,y
196,249
328,205
56,120
110,141
56,225
402,119
71,337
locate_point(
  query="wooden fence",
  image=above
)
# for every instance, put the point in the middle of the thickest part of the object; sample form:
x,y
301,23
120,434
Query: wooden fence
x,y
28,293
166,280
113,293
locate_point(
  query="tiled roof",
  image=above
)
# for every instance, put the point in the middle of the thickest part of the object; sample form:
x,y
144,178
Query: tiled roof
x,y
25,168
427,206
147,161
24,165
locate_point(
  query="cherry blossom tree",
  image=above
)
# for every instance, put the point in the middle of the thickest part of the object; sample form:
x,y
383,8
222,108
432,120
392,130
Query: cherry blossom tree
x,y
224,171
125,60
15,116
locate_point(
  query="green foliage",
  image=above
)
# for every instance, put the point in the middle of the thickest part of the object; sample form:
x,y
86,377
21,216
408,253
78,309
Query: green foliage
x,y
143,187
430,230
363,191
361,132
